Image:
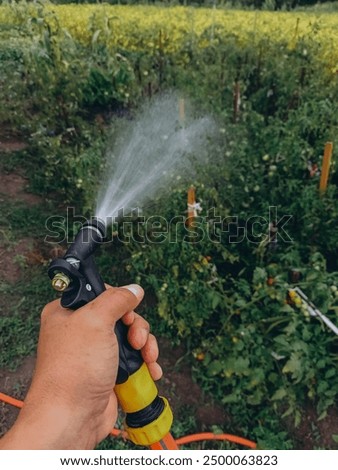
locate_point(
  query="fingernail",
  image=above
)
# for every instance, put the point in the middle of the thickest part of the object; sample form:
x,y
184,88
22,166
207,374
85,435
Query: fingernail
x,y
135,289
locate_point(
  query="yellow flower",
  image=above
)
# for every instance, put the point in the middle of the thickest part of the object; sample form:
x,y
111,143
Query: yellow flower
x,y
173,29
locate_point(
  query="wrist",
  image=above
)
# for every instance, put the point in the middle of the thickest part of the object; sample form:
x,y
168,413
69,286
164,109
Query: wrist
x,y
49,427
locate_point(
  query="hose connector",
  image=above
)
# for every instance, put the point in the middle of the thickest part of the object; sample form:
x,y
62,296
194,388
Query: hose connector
x,y
148,416
60,282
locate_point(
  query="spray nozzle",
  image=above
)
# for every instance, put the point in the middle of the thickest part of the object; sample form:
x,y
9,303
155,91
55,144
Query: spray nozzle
x,y
89,237
75,274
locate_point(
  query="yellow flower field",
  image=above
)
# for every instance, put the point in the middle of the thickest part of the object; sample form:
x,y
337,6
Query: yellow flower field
x,y
145,27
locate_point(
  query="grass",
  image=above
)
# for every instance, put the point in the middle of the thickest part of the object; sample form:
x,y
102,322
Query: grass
x,y
21,305
19,220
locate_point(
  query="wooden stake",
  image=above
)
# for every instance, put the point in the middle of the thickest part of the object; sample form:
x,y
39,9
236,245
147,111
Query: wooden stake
x,y
237,101
325,167
191,207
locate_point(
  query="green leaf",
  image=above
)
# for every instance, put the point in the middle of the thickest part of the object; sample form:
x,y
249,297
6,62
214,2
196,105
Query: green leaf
x,y
312,276
321,364
239,365
335,438
279,394
256,398
232,398
282,340
286,308
260,275
322,386
215,301
95,36
322,415
293,366
241,303
215,368
299,345
298,418
288,412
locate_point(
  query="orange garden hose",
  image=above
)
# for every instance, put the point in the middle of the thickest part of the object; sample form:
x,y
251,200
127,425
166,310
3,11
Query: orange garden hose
x,y
209,436
11,401
168,442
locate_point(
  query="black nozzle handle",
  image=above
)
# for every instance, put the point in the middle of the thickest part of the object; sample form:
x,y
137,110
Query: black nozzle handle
x,y
130,360
87,284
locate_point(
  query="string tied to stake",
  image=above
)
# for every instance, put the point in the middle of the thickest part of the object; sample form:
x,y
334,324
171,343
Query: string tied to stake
x,y
194,208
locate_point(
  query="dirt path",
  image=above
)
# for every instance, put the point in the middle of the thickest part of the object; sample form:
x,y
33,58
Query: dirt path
x,y
14,187
8,145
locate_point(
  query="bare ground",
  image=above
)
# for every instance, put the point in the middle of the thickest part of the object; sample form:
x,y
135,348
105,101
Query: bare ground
x,y
180,389
14,186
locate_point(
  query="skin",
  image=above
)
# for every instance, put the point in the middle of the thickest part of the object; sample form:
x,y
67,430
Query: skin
x,y
71,403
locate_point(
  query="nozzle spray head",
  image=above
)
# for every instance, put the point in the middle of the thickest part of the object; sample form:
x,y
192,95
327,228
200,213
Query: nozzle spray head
x,y
90,236
76,275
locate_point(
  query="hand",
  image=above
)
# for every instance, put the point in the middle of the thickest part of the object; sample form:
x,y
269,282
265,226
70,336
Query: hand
x,y
71,403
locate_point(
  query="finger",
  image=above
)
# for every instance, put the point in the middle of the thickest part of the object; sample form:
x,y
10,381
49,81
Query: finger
x,y
150,350
128,318
113,303
138,332
139,321
155,370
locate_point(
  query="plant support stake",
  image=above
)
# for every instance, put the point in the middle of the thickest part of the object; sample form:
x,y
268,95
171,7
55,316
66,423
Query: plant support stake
x,y
237,101
325,167
191,207
181,110
297,293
